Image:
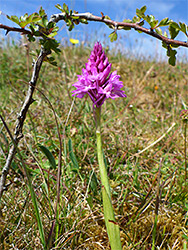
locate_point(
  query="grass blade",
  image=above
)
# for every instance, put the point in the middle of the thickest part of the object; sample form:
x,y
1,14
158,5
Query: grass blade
x,y
36,208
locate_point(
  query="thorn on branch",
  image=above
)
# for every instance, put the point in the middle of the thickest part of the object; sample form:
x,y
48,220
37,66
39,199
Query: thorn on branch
x,y
32,100
20,30
103,16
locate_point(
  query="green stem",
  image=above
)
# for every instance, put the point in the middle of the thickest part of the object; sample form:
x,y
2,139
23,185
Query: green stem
x,y
102,167
111,226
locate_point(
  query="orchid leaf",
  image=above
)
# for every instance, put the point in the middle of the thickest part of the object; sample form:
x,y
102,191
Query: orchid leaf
x,y
49,155
72,155
111,226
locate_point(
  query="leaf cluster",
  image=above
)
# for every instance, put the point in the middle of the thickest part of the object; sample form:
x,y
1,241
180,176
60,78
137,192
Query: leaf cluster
x,y
155,26
70,19
173,28
40,27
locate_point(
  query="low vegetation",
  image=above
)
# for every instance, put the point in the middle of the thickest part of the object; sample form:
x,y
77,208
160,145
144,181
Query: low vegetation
x,y
144,138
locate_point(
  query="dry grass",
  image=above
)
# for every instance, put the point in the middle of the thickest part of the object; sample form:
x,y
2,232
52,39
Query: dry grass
x,y
154,101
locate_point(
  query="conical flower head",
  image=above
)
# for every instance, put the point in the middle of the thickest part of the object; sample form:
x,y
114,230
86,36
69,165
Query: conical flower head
x,y
96,80
97,60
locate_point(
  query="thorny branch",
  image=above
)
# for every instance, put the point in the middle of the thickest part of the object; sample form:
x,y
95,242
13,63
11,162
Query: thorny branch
x,y
21,118
8,29
118,25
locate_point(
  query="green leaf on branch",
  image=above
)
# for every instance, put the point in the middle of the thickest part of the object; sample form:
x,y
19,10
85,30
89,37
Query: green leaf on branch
x,y
50,44
23,21
33,27
170,53
52,61
164,22
140,12
172,58
30,19
136,19
42,12
175,25
51,35
179,27
71,27
113,36
24,18
75,17
153,24
143,9
174,29
65,8
15,19
183,27
151,20
34,18
58,6
44,21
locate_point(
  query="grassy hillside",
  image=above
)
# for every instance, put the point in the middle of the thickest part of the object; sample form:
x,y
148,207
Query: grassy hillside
x,y
144,146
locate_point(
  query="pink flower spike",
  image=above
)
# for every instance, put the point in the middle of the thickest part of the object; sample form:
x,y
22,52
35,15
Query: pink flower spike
x,y
96,80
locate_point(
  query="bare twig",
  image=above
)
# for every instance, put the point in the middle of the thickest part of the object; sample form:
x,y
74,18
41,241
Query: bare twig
x,y
118,25
21,118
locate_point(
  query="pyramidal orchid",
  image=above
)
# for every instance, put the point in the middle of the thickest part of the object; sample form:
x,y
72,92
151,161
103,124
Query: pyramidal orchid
x,y
97,81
